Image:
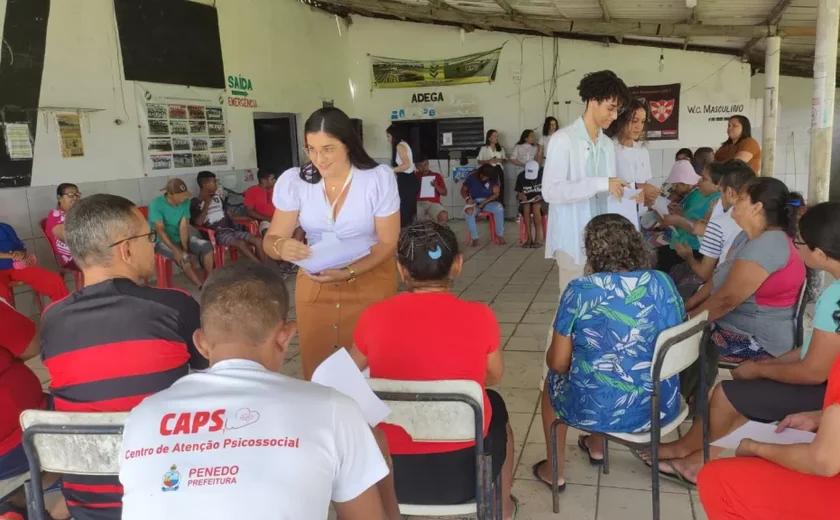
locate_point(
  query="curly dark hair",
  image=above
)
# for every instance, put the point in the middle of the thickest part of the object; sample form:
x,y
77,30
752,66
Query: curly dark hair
x,y
626,117
603,85
613,244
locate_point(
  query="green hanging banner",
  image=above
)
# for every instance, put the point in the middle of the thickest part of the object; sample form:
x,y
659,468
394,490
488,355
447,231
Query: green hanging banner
x,y
464,70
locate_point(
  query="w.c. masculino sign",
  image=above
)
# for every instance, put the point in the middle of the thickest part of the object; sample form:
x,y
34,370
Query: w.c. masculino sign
x,y
716,112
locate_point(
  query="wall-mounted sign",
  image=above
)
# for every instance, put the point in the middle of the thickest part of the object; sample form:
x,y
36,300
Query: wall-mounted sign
x,y
427,97
664,103
716,112
459,173
463,70
241,88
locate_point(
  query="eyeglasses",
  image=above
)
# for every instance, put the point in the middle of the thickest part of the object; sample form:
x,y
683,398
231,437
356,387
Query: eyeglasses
x,y
327,152
152,236
72,195
798,242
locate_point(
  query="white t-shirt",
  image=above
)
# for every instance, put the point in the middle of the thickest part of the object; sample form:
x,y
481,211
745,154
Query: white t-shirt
x,y
486,153
524,152
404,145
371,193
720,233
216,210
632,164
238,441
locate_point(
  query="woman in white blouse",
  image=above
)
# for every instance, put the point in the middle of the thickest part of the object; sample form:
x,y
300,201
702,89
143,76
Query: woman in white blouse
x,y
340,195
524,151
493,154
402,160
549,127
633,159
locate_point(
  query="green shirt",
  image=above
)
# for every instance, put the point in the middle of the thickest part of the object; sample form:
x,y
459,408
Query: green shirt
x,y
162,211
695,205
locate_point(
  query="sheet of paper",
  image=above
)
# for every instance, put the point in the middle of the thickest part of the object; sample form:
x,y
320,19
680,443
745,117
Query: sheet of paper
x,y
626,207
762,432
335,254
661,206
447,138
427,189
18,142
341,373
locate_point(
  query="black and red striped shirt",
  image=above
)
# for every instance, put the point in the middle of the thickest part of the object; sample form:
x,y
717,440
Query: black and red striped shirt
x,y
107,347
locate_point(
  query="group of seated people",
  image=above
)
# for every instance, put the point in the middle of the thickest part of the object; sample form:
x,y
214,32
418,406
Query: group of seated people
x,y
602,347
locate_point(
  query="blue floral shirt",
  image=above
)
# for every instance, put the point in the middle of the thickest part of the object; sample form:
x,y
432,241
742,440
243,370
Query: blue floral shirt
x,y
614,320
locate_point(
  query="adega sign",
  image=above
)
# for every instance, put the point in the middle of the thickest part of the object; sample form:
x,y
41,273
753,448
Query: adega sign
x,y
427,97
240,88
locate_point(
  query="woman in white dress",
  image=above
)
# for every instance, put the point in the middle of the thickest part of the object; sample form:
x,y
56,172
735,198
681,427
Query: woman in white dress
x,y
493,154
632,158
402,160
549,127
524,151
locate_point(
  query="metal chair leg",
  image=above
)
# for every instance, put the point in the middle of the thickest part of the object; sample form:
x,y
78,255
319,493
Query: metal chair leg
x,y
555,470
655,438
606,456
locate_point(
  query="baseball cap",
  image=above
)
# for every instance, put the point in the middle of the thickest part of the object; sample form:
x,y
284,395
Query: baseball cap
x,y
176,187
532,170
683,172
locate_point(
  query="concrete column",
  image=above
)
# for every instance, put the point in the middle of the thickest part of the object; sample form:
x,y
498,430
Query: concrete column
x,y
771,105
822,103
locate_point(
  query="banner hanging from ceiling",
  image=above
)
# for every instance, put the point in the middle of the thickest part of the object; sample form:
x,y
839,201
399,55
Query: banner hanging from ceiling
x,y
664,103
464,70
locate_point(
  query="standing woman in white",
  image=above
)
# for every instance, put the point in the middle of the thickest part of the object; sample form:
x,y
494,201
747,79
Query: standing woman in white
x,y
402,160
549,127
493,154
341,193
632,157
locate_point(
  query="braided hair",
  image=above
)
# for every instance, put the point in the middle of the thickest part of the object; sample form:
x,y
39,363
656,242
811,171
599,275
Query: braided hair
x,y
427,250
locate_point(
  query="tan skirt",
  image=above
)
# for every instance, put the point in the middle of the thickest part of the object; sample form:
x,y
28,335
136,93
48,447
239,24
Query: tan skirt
x,y
327,313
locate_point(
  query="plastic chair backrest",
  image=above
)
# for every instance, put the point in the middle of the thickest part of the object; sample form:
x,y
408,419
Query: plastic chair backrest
x,y
442,420
144,210
799,323
75,443
685,352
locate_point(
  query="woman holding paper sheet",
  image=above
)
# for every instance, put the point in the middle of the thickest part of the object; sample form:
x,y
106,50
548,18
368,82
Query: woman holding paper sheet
x,y
341,194
632,157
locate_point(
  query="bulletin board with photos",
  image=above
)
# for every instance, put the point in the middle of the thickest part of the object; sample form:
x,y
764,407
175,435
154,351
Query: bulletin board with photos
x,y
184,134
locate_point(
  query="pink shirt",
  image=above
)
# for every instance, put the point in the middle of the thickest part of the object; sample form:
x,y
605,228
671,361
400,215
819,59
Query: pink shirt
x,y
62,252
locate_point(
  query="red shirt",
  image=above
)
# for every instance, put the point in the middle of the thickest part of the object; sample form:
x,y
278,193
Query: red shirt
x,y
60,249
20,388
427,337
259,200
438,181
832,392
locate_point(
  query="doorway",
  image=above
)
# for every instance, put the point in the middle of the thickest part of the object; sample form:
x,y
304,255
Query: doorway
x,y
275,139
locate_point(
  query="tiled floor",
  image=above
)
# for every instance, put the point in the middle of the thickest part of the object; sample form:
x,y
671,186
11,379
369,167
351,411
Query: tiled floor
x,y
521,287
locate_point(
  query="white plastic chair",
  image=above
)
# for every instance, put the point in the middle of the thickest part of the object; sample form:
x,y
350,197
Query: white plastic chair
x,y
72,443
676,349
444,411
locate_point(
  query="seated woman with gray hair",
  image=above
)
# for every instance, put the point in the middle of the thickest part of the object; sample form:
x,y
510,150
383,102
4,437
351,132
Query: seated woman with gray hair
x,y
603,343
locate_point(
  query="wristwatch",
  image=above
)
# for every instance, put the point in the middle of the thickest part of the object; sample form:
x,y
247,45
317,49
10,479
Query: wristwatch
x,y
352,274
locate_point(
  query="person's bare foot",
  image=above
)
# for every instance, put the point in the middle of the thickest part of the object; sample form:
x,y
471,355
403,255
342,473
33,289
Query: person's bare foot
x,y
508,508
474,242
688,467
669,451
544,473
500,241
596,449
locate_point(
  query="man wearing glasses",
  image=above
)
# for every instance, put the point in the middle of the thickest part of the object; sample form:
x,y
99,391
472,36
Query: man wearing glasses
x,y
68,195
114,342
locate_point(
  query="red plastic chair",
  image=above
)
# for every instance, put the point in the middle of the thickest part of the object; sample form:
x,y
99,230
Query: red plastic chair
x,y
523,233
78,276
220,251
492,223
39,301
163,266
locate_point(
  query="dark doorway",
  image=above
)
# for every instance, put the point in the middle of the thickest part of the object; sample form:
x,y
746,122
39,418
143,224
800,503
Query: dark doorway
x,y
275,137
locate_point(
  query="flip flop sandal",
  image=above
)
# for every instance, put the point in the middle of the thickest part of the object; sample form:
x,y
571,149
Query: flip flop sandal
x,y
535,469
515,506
675,477
582,445
527,245
536,245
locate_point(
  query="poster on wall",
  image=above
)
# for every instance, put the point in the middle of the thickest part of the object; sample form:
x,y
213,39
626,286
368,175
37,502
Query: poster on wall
x,y
183,131
18,142
664,104
70,135
463,70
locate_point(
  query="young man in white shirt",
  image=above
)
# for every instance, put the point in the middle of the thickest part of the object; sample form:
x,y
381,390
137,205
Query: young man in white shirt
x,y
242,441
721,230
580,172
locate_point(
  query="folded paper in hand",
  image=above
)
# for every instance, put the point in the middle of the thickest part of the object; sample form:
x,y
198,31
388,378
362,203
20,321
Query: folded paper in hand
x,y
335,254
341,373
626,207
762,432
661,206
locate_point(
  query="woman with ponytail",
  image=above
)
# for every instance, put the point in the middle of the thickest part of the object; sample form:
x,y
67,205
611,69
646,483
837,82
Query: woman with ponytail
x,y
429,334
340,194
753,296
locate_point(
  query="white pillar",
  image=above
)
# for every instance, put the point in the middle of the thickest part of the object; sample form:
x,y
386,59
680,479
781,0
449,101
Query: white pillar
x,y
771,105
822,103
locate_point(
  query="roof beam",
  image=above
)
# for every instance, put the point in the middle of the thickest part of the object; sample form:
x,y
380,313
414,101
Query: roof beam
x,y
506,6
772,19
513,15
440,4
604,11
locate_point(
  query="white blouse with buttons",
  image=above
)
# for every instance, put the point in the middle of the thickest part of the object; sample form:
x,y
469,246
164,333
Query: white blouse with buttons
x,y
372,193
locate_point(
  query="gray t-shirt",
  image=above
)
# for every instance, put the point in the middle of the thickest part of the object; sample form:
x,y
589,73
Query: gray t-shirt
x,y
772,327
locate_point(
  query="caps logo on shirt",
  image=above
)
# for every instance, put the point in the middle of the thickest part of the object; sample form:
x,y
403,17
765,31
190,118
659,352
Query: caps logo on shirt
x,y
171,479
192,422
242,418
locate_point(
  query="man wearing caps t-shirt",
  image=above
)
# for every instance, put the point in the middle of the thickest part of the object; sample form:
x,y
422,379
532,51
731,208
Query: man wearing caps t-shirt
x,y
169,216
242,441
